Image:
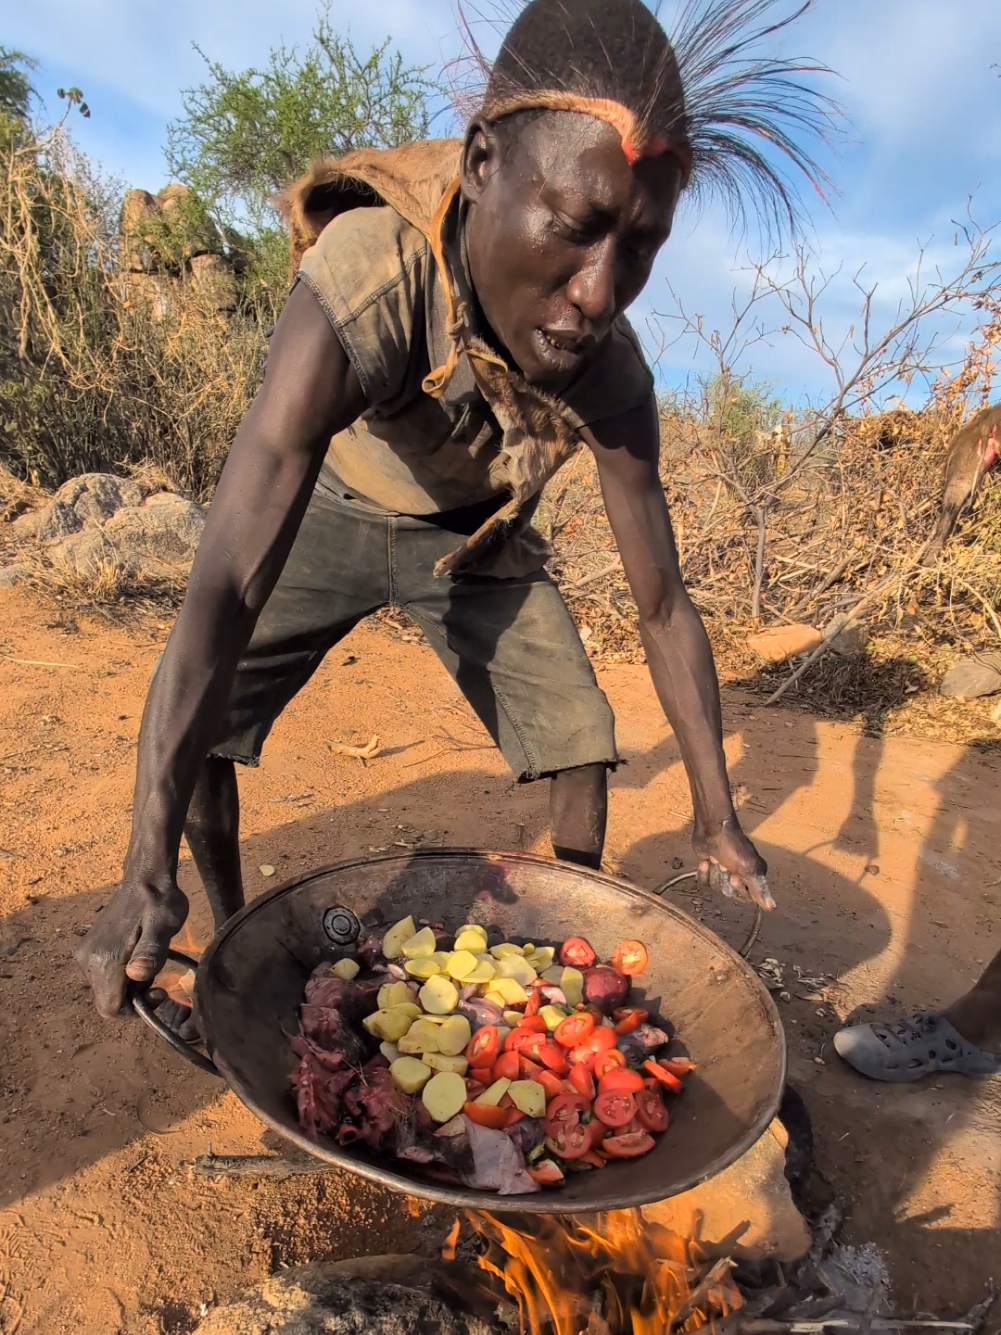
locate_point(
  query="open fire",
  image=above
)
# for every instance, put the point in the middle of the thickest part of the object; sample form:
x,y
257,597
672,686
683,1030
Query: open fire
x,y
607,1274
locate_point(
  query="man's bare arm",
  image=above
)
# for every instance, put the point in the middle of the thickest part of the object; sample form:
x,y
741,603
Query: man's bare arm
x,y
677,648
310,391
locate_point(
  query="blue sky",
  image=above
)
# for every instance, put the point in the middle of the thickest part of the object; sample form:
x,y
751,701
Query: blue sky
x,y
915,78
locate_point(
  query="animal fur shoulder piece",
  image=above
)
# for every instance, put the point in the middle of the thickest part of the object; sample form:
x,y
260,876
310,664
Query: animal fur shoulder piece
x,y
411,180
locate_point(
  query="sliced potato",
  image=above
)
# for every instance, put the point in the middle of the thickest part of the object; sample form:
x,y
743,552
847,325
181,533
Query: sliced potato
x,y
572,984
483,972
439,996
396,994
554,974
461,963
528,1097
421,943
473,939
390,1051
424,967
420,1037
553,1015
439,1061
508,990
410,1074
390,1025
346,969
506,948
453,1035
433,1019
444,1095
518,968
512,1018
541,958
392,942
495,1092
502,1032
441,958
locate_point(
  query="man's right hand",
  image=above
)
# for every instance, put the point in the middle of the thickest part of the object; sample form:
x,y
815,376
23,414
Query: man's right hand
x,y
130,940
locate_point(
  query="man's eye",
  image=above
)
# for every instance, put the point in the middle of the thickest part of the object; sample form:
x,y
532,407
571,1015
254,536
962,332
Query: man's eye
x,y
569,230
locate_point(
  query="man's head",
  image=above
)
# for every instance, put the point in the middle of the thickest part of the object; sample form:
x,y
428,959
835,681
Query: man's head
x,y
591,127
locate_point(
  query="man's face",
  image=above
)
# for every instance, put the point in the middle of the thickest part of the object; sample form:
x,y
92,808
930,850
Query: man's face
x,y
562,233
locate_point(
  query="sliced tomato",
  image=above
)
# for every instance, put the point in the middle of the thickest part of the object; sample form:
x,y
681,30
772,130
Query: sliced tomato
x,y
547,1173
520,1038
577,953
507,1066
630,958
651,1111
628,1018
505,1101
678,1066
574,1029
534,1023
528,1070
564,1109
594,1159
601,1040
484,1075
666,1077
487,1114
618,1079
572,1140
628,1146
533,1006
597,1130
615,1108
582,1080
513,1115
541,1049
612,1060
483,1046
550,1082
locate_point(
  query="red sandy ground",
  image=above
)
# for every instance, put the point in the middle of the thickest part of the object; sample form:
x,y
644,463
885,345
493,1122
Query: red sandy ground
x,y
102,1230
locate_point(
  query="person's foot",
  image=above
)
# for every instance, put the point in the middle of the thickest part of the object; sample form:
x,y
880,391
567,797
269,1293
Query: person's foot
x,y
174,1015
927,1043
977,1016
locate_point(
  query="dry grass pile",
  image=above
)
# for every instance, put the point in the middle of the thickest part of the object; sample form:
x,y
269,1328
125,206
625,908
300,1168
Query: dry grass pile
x,y
101,368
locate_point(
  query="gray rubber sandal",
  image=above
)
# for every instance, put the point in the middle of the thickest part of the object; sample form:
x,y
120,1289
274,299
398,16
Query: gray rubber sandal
x,y
911,1049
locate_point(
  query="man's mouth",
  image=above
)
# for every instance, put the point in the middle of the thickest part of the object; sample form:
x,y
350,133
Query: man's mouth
x,y
562,351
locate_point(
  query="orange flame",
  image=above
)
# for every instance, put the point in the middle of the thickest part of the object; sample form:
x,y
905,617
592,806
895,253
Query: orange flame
x,y
634,1276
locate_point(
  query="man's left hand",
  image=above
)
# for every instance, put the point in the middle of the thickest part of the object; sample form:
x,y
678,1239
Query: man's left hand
x,y
730,863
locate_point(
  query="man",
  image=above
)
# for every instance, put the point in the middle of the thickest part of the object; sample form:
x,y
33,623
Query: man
x,y
455,333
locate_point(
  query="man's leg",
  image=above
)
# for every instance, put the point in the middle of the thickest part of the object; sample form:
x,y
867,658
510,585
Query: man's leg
x,y
977,1014
578,814
212,830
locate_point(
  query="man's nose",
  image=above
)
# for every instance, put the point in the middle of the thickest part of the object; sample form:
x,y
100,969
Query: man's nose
x,y
592,288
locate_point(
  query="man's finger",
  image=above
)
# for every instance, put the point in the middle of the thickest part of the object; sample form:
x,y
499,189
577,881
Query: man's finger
x,y
703,875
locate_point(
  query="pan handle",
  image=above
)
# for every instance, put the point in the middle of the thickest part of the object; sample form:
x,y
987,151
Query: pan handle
x,y
140,1004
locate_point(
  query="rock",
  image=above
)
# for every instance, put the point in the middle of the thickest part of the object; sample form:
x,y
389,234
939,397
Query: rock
x,y
778,643
85,501
25,527
213,279
852,640
13,574
158,537
328,1299
747,1210
973,677
84,554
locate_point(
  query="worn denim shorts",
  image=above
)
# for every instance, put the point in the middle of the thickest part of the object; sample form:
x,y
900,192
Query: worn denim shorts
x,y
510,644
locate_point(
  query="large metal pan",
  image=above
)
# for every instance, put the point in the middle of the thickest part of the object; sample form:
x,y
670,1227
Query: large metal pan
x,y
249,985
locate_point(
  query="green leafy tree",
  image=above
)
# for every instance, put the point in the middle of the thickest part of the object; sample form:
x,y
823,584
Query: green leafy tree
x,y
245,135
16,94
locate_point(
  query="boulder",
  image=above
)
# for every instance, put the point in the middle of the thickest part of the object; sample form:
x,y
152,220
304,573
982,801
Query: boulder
x,y
25,527
852,640
86,501
973,677
747,1211
778,643
213,280
13,574
84,554
159,537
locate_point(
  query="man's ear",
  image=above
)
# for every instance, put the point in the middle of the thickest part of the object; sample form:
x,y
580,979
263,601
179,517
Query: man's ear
x,y
481,154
